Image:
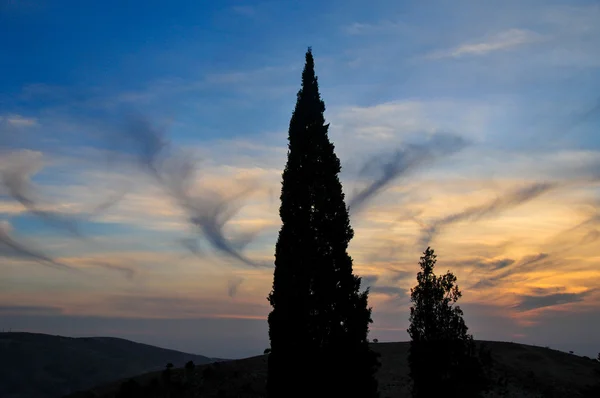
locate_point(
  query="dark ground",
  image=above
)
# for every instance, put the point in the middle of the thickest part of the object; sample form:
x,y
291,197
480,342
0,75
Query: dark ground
x,y
517,371
43,366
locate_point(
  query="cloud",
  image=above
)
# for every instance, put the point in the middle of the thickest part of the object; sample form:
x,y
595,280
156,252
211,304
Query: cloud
x,y
526,265
15,175
192,245
501,41
358,28
232,286
500,264
532,259
572,237
567,256
403,161
16,170
211,216
9,247
590,237
393,291
174,171
9,207
18,121
491,265
534,302
128,272
476,213
362,131
179,306
370,281
400,275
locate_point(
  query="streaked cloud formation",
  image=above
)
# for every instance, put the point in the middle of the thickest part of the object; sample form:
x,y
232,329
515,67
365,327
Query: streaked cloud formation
x,y
140,178
498,42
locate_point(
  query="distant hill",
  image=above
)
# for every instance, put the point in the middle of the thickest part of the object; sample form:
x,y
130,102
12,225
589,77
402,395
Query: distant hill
x,y
517,370
43,366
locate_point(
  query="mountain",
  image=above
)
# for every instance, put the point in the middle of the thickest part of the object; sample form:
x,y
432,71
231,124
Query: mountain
x,y
36,365
516,370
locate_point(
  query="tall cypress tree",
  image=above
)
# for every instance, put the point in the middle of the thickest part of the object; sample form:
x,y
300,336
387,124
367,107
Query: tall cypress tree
x,y
320,320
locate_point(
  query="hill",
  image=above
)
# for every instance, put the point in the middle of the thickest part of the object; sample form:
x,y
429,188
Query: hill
x,y
39,365
516,370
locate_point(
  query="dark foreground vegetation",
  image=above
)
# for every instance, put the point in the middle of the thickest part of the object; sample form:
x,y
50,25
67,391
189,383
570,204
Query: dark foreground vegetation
x,y
36,365
516,370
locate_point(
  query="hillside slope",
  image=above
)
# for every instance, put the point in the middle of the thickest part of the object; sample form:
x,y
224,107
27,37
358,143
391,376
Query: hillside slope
x,y
517,371
43,366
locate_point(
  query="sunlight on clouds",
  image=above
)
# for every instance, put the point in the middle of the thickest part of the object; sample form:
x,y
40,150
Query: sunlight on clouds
x,y
386,236
385,241
509,260
11,208
515,233
358,131
166,287
500,41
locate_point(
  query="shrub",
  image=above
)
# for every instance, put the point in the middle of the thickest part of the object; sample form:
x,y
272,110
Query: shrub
x,y
190,365
208,372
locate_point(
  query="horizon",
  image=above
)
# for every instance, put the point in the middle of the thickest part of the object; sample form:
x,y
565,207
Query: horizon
x,y
260,354
467,127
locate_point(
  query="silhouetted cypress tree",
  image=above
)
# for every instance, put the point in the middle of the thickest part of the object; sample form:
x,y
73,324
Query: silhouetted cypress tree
x,y
442,354
319,323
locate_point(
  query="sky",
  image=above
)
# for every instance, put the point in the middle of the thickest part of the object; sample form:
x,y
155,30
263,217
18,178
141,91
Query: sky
x,y
142,146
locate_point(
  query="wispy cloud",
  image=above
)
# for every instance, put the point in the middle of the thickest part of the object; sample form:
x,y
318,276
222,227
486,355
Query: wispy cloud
x,y
502,203
16,169
128,272
174,171
18,121
499,42
505,269
372,283
9,247
233,285
403,161
178,306
358,28
534,302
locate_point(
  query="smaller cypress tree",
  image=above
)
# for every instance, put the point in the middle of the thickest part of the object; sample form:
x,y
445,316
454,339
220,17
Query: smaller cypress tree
x,y
442,354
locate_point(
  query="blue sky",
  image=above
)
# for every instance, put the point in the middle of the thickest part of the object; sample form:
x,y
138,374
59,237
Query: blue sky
x,y
516,83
